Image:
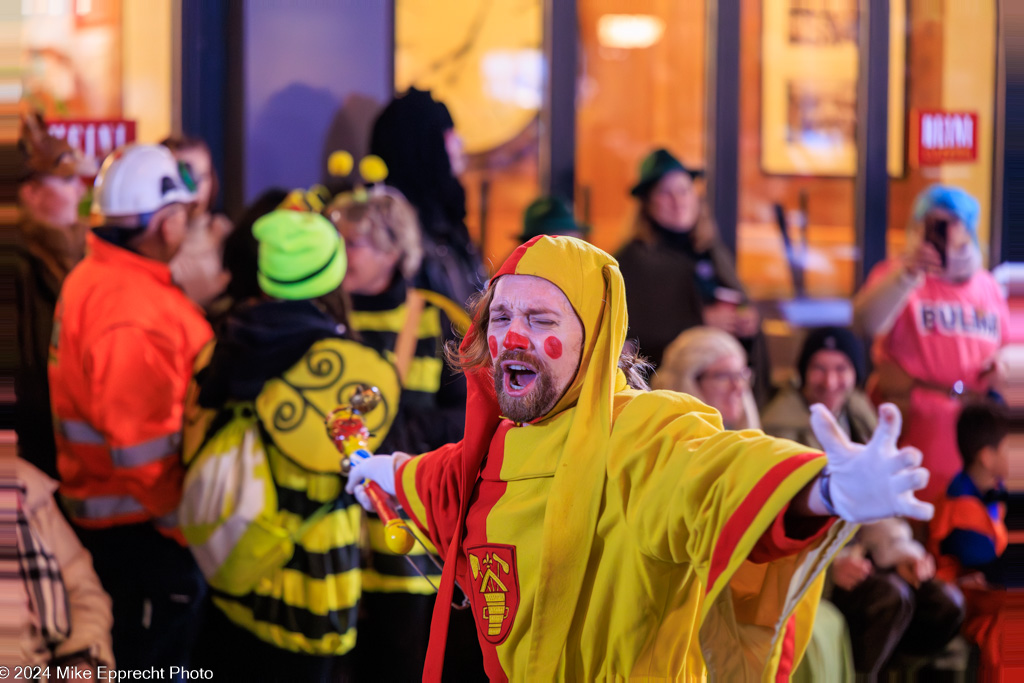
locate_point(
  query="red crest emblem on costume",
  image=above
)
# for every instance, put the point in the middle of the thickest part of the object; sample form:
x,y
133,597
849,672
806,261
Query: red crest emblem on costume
x,y
495,593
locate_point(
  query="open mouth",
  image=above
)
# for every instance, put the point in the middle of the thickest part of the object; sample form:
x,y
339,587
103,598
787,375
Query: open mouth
x,y
518,377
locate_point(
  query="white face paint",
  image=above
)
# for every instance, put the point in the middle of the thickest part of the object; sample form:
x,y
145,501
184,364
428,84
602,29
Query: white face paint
x,y
536,341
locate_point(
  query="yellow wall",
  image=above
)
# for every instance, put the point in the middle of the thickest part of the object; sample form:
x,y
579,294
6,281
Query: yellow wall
x,y
147,51
968,84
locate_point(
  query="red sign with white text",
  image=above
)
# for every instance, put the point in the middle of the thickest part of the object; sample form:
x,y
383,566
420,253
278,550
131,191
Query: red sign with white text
x,y
95,138
945,136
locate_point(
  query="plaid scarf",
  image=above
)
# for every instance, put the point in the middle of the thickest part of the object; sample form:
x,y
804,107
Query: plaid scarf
x,y
41,573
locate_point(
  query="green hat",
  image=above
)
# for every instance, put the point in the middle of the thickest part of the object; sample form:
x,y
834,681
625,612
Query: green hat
x,y
655,166
301,255
549,216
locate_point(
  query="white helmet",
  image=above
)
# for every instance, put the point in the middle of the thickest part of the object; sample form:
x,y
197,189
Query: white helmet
x,y
138,180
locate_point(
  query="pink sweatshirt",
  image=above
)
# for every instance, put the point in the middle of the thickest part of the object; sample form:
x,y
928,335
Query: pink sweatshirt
x,y
945,333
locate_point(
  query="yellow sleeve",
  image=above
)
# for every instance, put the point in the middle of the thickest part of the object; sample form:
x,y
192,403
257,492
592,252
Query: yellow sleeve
x,y
428,489
696,494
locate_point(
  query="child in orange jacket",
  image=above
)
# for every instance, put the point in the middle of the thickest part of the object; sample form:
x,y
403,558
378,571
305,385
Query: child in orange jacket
x,y
968,532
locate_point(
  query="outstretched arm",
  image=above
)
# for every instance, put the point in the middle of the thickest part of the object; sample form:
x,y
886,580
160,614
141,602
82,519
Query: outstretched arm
x,y
809,502
865,483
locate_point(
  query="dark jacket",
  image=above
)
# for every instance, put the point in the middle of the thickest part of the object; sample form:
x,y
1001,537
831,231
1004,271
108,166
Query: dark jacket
x,y
789,417
259,341
43,256
664,294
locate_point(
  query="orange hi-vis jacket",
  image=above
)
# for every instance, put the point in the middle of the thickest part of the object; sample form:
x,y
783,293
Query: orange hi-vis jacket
x,y
124,340
622,535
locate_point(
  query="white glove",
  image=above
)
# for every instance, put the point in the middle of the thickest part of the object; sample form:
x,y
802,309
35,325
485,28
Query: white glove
x,y
874,481
378,468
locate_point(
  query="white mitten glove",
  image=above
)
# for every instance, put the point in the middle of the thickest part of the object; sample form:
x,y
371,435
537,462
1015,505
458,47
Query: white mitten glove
x,y
377,468
873,481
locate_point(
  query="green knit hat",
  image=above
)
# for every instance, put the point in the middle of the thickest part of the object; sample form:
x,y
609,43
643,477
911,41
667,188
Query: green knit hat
x,y
550,216
301,255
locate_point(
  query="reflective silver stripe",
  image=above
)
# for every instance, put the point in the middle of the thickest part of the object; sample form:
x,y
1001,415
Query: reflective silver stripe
x,y
102,507
146,452
77,431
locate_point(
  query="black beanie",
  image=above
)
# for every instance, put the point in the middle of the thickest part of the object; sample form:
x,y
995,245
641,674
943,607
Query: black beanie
x,y
832,339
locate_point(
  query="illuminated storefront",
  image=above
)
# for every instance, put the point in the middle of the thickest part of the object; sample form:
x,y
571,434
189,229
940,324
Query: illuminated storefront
x,y
643,79
101,71
263,79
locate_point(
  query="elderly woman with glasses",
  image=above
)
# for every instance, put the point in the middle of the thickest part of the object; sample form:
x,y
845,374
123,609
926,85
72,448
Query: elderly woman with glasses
x,y
711,365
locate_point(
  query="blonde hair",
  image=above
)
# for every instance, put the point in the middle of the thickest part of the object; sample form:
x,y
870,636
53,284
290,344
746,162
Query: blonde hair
x,y
387,217
692,353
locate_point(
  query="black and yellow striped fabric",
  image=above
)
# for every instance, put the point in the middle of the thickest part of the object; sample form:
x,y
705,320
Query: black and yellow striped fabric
x,y
379,330
418,427
308,604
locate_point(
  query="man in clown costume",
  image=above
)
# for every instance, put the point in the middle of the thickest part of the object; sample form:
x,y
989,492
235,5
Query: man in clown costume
x,y
603,531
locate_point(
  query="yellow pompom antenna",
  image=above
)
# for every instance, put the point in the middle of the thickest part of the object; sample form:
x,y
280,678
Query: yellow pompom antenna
x,y
373,169
340,163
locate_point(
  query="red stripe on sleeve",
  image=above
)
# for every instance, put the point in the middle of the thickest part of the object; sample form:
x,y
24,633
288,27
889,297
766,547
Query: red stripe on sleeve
x,y
744,515
403,499
785,669
779,542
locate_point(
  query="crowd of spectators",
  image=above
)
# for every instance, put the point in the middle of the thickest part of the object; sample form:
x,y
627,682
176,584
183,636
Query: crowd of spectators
x,y
175,371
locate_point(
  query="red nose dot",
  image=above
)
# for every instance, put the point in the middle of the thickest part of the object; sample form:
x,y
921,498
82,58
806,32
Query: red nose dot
x,y
492,344
553,347
514,340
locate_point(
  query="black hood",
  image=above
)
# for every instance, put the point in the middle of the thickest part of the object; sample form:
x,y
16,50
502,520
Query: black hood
x,y
258,342
409,136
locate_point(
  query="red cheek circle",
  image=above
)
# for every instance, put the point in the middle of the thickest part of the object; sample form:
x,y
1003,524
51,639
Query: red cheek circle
x,y
553,347
492,344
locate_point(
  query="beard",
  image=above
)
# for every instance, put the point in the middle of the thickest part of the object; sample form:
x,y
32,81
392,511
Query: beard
x,y
541,397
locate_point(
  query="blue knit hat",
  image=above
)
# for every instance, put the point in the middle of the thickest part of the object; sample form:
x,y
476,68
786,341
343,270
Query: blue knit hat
x,y
953,199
